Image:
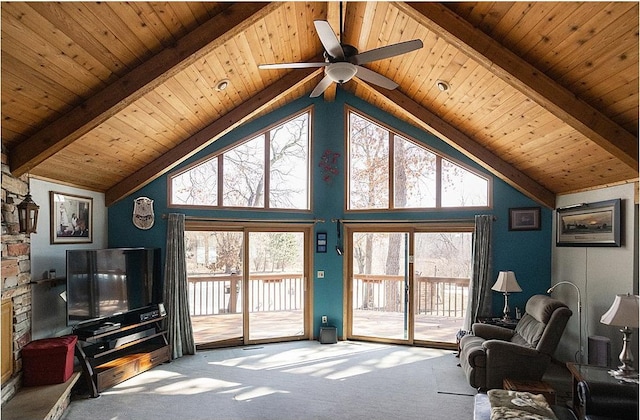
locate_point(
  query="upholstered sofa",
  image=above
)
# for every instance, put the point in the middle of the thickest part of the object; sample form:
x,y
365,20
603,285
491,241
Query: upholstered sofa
x,y
492,353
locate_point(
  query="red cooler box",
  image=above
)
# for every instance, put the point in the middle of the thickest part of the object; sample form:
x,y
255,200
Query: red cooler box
x,y
48,361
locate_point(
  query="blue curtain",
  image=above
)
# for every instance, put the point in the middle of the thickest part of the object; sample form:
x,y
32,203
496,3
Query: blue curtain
x,y
480,286
179,329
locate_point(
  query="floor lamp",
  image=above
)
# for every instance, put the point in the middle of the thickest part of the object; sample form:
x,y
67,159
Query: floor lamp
x,y
579,314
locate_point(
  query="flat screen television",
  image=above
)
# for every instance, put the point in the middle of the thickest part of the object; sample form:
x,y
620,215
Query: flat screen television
x,y
107,282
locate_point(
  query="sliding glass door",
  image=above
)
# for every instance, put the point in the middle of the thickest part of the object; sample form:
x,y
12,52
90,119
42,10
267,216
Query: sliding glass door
x,y
276,293
215,272
442,270
407,285
379,285
247,285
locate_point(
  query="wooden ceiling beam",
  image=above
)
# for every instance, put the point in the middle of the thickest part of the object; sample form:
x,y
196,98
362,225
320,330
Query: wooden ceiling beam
x,y
233,119
139,81
526,78
463,143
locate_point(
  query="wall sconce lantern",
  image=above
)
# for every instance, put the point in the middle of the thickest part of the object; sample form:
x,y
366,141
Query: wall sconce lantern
x,y
28,215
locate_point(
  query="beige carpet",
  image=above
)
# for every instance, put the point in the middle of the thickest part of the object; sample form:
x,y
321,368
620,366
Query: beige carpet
x,y
298,380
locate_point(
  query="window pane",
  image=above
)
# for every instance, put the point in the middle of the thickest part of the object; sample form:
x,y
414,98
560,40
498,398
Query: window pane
x,y
198,186
243,177
214,282
414,175
368,164
461,188
288,184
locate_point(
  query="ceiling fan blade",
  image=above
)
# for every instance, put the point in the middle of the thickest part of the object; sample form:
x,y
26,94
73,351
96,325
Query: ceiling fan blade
x,y
291,66
328,38
375,78
386,52
320,87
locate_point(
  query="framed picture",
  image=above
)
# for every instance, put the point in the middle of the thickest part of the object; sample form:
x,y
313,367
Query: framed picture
x,y
524,218
71,218
594,224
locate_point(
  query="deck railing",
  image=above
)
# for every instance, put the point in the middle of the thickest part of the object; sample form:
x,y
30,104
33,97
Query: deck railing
x,y
219,294
437,296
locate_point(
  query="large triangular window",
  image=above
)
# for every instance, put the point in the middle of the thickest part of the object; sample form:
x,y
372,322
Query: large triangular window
x,y
387,170
236,176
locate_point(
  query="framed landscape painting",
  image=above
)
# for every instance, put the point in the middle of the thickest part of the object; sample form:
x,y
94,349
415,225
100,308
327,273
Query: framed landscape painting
x,y
71,218
524,218
593,224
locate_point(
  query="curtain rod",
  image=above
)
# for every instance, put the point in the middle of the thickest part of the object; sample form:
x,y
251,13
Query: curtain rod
x,y
407,221
218,219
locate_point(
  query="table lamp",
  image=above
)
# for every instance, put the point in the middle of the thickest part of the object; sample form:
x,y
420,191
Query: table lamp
x,y
624,313
506,284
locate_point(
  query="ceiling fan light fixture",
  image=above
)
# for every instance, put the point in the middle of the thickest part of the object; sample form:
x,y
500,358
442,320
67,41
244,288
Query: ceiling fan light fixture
x,y
341,72
442,85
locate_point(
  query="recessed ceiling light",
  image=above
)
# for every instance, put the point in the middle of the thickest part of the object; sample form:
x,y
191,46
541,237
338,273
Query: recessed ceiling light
x,y
222,85
442,85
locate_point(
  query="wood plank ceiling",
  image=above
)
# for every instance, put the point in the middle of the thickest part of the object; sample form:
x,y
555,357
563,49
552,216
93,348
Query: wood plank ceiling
x,y
108,96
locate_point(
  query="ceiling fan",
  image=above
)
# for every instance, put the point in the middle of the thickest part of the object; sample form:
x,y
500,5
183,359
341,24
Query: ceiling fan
x,y
342,61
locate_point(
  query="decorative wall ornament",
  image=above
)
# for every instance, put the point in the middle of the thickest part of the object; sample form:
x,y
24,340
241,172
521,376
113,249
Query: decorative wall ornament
x,y
329,165
143,217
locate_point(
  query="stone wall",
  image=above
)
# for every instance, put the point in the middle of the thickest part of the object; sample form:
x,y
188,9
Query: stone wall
x,y
16,272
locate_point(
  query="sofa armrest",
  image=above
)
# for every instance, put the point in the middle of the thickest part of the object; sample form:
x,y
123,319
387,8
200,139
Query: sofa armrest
x,y
492,332
509,349
505,359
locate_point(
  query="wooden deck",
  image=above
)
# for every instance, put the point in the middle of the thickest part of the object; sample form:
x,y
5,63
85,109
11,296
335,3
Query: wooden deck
x,y
271,325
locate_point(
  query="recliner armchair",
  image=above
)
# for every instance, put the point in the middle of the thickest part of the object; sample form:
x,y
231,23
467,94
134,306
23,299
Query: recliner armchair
x,y
493,353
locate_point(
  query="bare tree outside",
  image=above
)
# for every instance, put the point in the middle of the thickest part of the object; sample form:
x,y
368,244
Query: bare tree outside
x,y
243,174
244,168
461,187
414,175
197,186
289,150
369,164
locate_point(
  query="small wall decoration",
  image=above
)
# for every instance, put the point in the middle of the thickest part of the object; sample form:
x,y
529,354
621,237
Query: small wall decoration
x,y
143,217
329,165
524,218
594,224
71,218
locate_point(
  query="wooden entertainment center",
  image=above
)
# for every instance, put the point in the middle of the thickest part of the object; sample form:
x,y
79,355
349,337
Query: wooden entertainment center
x,y
120,347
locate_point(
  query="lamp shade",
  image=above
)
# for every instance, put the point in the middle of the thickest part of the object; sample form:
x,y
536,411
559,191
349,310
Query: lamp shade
x,y
623,312
506,282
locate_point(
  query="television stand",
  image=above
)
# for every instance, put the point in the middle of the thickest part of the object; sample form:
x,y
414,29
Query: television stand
x,y
114,351
98,329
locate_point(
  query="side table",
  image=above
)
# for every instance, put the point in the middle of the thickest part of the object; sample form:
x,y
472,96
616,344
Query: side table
x,y
500,322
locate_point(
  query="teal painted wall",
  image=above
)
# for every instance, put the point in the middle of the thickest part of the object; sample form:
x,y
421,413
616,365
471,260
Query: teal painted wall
x,y
528,253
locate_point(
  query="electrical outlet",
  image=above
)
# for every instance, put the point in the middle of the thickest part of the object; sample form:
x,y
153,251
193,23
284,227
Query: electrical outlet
x,y
324,319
